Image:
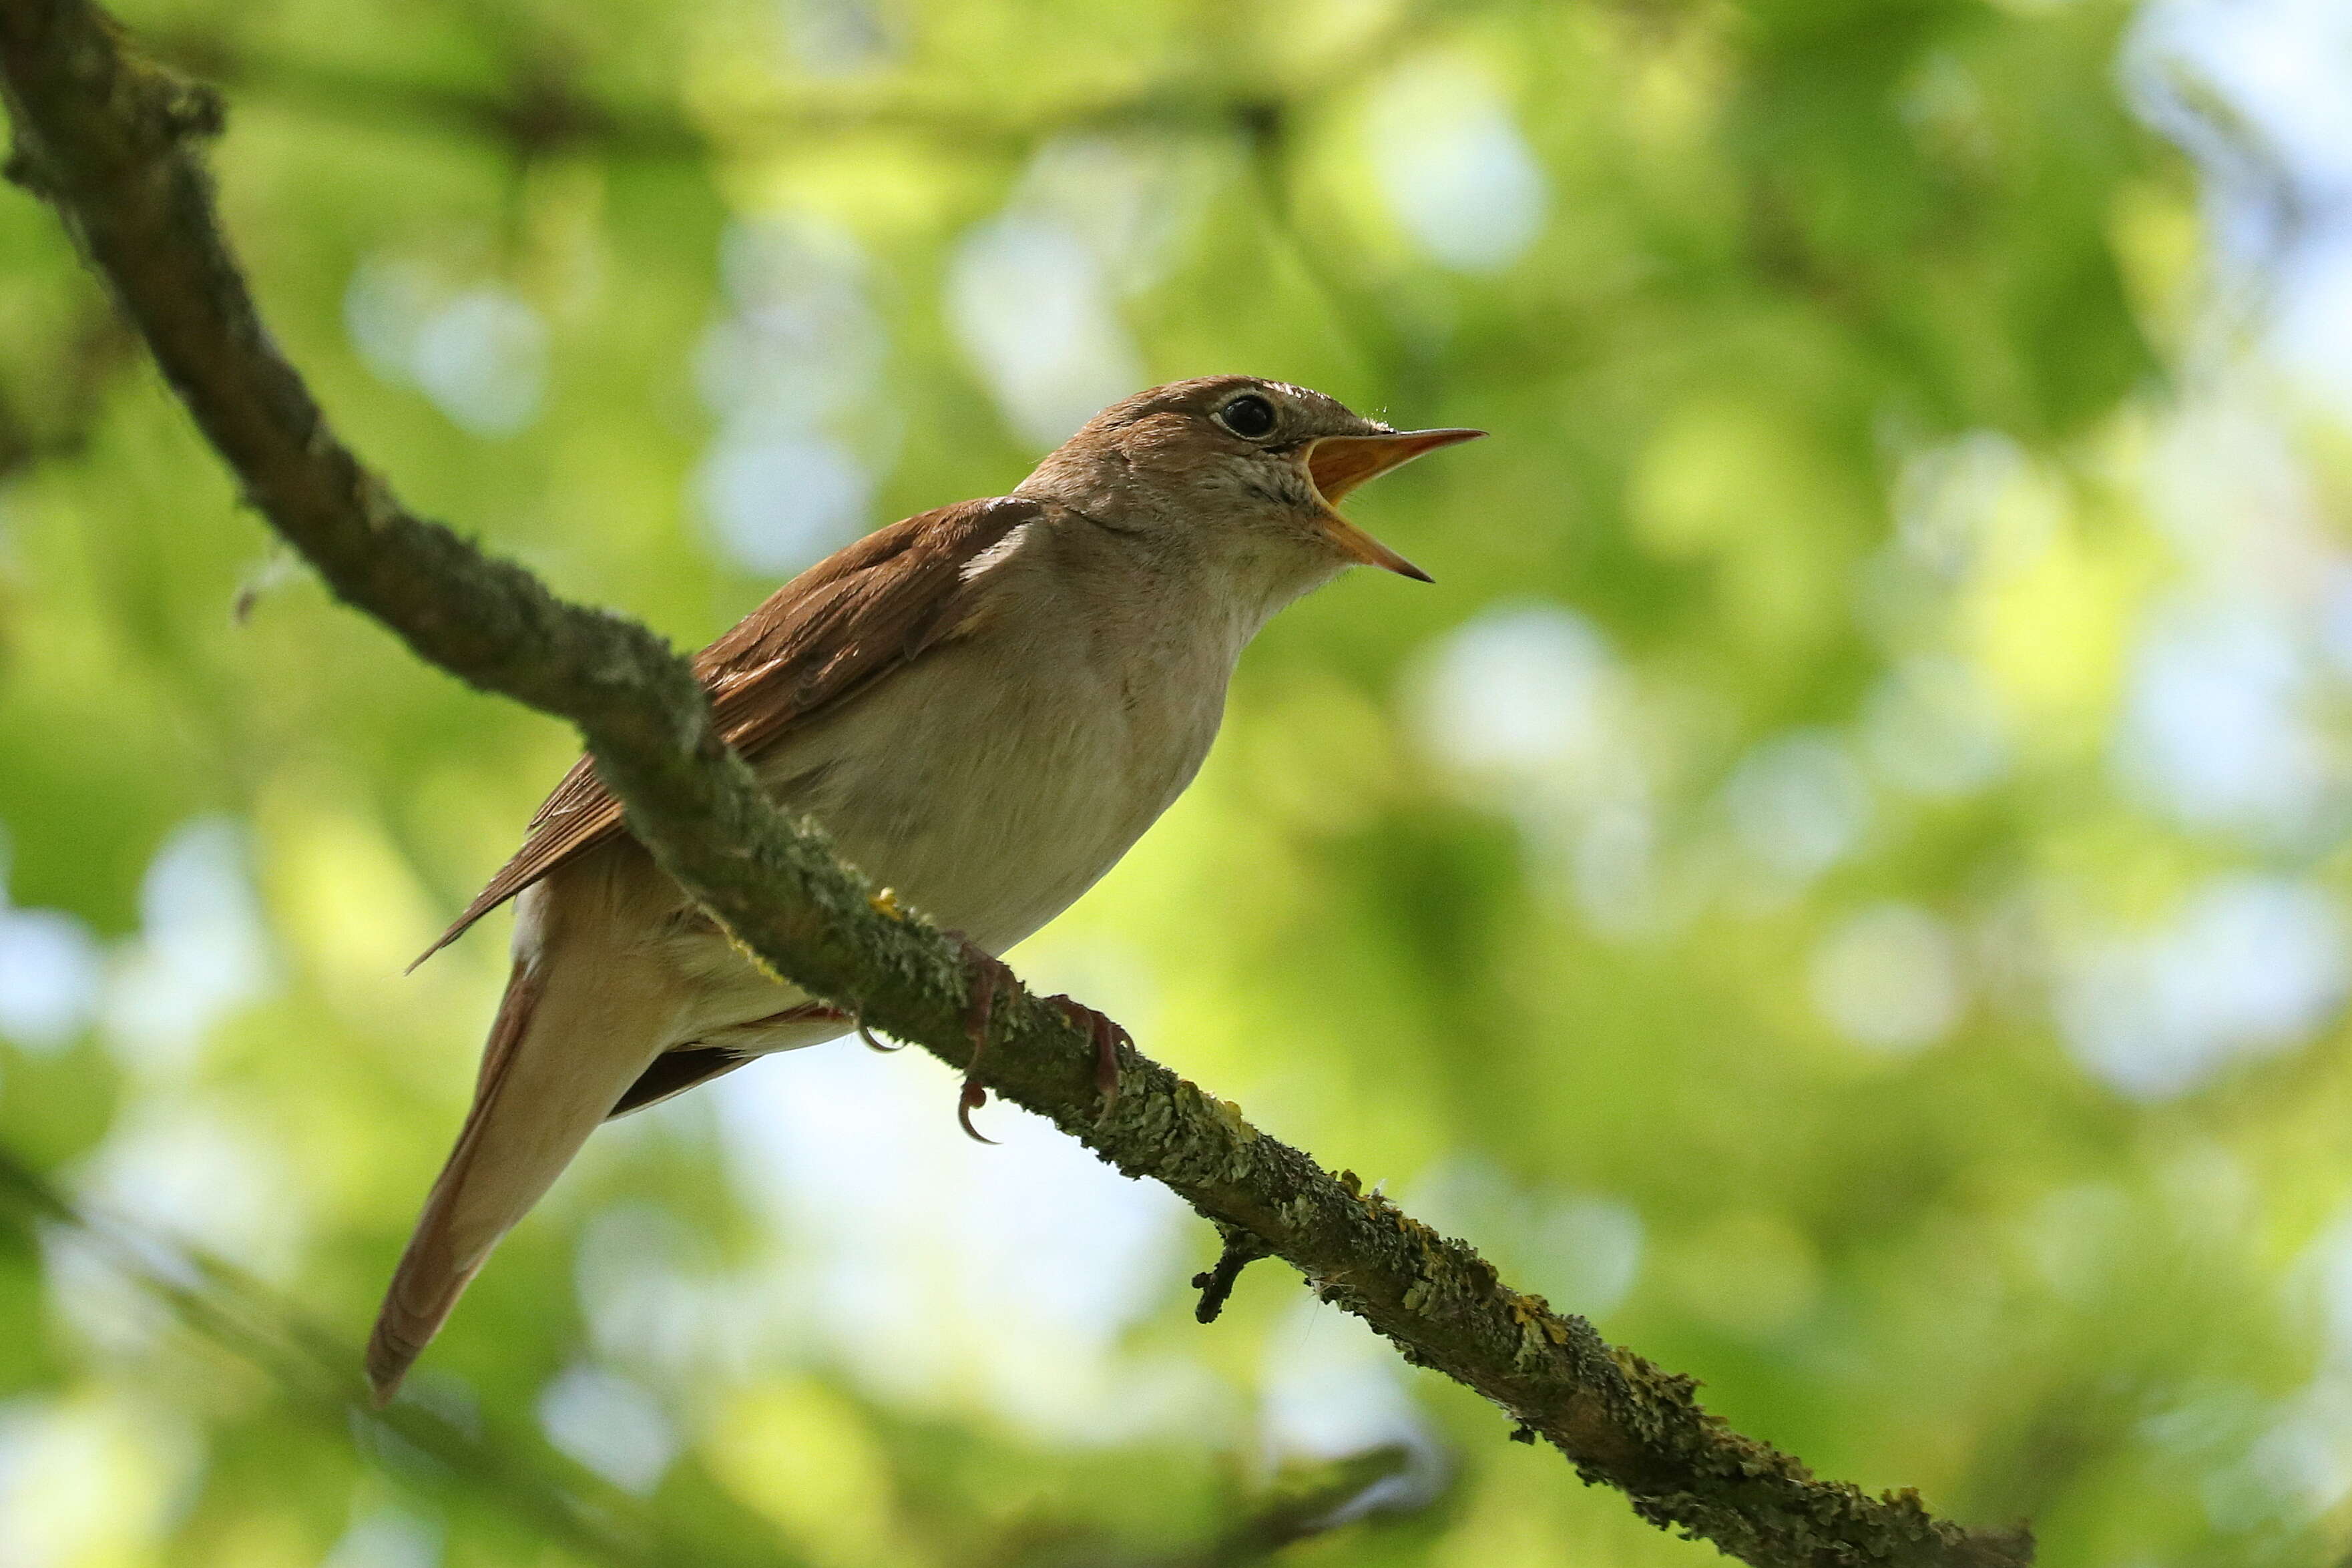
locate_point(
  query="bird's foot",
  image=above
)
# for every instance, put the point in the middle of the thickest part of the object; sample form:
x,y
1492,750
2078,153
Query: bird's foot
x,y
1108,1036
980,1007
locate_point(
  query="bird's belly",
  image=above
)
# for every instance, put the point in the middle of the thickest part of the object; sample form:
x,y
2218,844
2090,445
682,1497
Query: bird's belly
x,y
991,805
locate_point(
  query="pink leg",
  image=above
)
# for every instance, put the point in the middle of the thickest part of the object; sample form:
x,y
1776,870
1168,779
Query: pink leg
x,y
979,1009
1109,1038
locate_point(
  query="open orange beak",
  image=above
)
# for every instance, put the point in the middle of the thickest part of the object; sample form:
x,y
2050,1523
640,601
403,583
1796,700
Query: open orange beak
x,y
1338,463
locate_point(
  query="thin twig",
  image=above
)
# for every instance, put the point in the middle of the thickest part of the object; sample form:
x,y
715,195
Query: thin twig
x,y
316,1374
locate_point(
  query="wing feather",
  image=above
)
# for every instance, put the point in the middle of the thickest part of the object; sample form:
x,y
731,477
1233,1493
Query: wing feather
x,y
845,623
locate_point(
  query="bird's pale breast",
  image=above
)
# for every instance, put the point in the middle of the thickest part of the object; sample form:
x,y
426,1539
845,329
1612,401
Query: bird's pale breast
x,y
989,783
990,787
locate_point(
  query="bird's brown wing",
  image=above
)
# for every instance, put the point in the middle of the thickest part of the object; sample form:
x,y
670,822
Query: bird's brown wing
x,y
835,629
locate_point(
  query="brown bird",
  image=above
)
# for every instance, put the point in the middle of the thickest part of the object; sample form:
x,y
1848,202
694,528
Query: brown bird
x,y
985,705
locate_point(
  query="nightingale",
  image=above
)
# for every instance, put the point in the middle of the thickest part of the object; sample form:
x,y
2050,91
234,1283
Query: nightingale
x,y
984,705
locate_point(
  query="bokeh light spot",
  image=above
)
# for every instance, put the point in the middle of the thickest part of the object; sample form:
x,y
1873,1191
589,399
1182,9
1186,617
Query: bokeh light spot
x,y
1456,169
1889,977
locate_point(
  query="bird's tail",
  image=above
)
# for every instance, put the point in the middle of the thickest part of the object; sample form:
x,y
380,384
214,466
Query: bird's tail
x,y
563,1050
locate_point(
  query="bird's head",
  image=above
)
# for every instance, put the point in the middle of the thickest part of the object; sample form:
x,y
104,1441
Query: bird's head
x,y
1238,470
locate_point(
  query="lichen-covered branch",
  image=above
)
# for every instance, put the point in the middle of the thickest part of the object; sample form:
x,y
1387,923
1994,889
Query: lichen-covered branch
x,y
112,139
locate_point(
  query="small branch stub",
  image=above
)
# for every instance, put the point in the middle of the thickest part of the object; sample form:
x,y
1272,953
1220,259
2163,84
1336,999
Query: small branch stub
x,y
1216,1284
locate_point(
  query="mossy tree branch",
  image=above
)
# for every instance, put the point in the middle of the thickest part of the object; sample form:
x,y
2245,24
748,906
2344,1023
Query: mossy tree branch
x,y
110,138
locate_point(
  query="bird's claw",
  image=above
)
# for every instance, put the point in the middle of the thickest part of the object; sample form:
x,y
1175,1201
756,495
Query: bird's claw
x,y
1110,1037
972,1098
979,1010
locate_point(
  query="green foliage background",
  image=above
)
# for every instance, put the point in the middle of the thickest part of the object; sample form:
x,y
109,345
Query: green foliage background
x,y
1748,896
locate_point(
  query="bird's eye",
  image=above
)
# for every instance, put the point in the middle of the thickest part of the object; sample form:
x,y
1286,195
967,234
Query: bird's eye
x,y
1248,416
